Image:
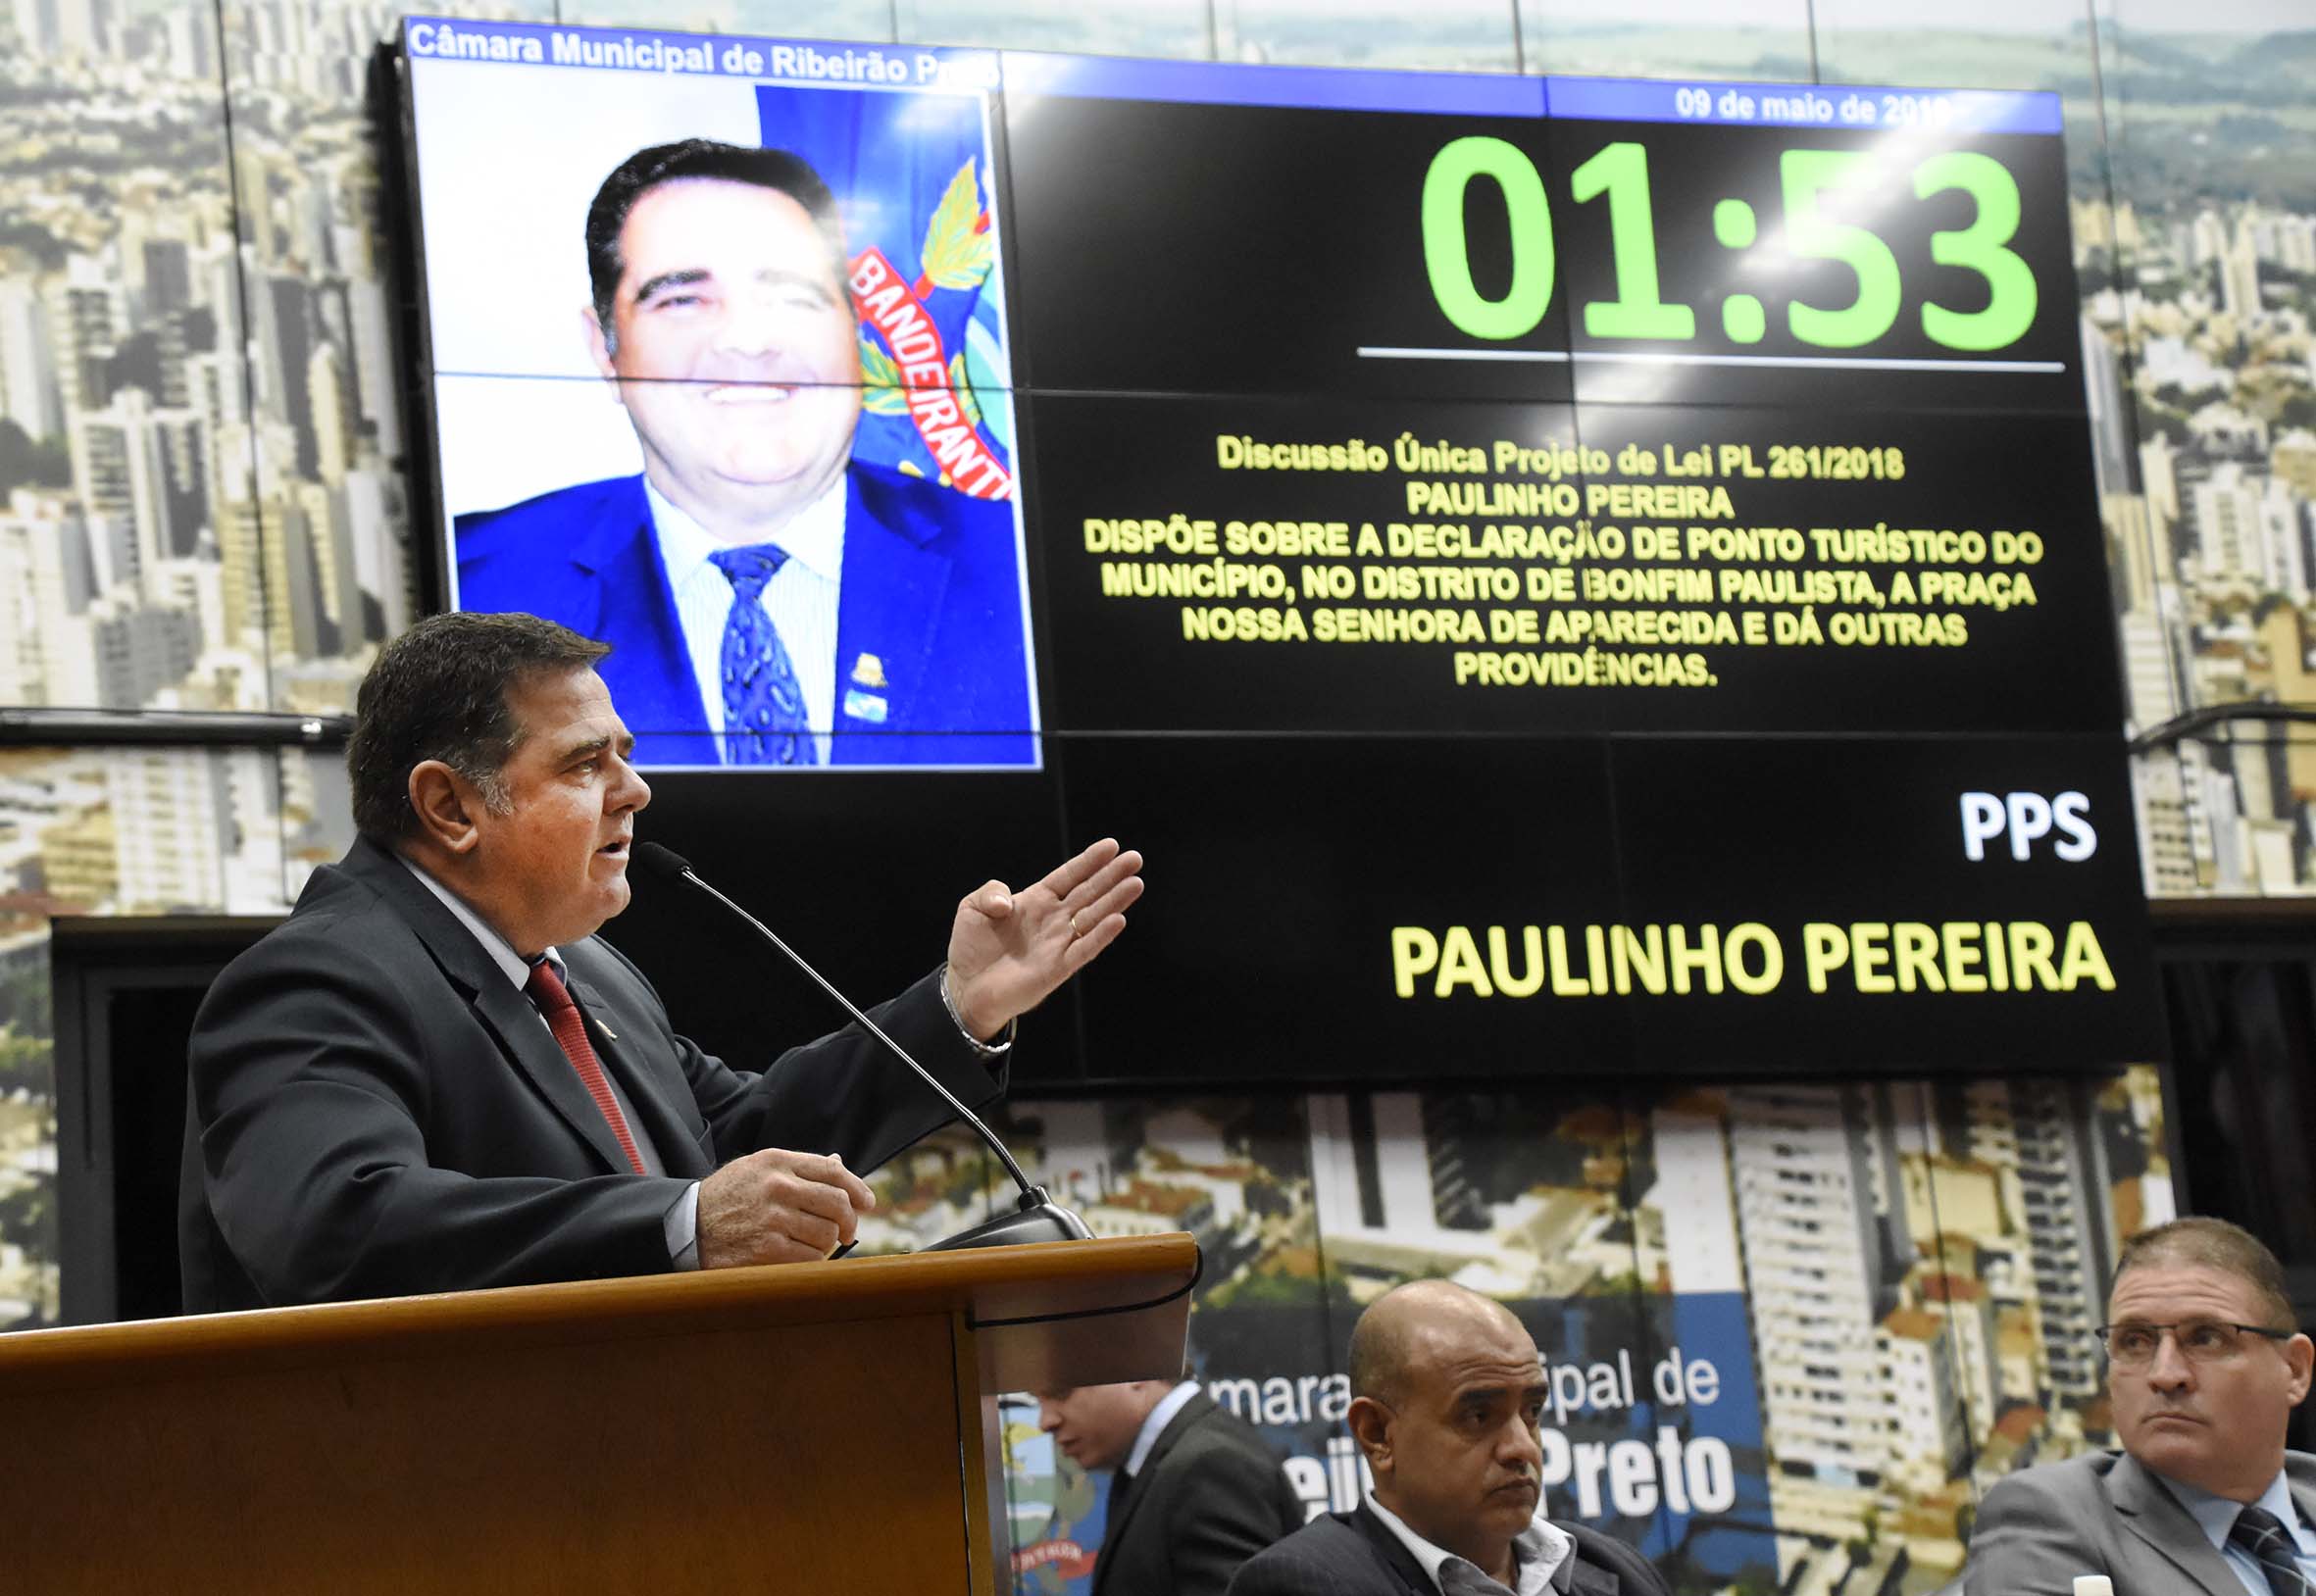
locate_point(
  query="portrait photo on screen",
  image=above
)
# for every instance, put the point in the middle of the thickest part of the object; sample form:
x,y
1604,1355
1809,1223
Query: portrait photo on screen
x,y
721,377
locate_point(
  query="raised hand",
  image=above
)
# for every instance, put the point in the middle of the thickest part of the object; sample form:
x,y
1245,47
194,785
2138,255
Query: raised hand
x,y
1008,950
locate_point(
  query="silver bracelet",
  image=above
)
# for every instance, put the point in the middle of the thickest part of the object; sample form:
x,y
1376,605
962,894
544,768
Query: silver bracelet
x,y
987,1050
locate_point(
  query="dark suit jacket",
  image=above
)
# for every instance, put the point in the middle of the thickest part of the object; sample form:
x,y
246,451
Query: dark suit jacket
x,y
376,1110
1210,1495
2103,1513
1354,1554
931,586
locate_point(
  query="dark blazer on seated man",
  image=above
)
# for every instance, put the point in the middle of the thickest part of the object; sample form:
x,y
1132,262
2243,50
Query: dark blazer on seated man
x,y
376,1110
1210,1495
928,595
2104,1514
1354,1554
1447,1400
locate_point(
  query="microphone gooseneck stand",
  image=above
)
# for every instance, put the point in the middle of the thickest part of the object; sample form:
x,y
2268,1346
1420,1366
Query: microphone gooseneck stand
x,y
1036,1217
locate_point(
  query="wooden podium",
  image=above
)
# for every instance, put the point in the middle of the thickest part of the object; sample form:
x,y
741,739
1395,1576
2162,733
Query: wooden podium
x,y
818,1427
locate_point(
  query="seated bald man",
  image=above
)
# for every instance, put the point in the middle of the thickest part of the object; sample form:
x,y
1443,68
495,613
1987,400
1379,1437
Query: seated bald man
x,y
1448,1392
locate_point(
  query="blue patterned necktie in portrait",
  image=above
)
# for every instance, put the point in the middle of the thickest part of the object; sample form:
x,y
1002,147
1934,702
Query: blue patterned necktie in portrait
x,y
764,718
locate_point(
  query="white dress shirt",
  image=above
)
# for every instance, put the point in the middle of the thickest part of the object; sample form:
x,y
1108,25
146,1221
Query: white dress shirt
x,y
1155,1424
801,600
1536,1552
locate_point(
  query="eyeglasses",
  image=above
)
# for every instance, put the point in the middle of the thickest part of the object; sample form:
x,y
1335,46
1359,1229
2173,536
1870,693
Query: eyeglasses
x,y
2200,1340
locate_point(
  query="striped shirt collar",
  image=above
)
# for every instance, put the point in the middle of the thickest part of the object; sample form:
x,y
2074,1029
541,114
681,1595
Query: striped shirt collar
x,y
814,538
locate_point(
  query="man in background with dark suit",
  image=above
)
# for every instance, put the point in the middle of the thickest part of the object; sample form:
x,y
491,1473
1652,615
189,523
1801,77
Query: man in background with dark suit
x,y
1195,1494
434,1076
2206,1363
768,599
1447,1394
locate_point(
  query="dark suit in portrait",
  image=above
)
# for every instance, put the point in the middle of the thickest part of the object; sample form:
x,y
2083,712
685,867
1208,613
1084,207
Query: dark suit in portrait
x,y
1355,1554
2104,1513
1208,1497
376,1110
930,589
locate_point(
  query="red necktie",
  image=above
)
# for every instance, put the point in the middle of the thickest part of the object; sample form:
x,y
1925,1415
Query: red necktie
x,y
547,991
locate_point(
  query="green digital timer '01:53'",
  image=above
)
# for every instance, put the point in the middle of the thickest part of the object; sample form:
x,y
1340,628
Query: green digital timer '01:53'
x,y
1620,171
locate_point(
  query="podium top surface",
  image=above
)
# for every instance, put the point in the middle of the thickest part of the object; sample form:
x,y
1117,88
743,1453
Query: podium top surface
x,y
1049,1314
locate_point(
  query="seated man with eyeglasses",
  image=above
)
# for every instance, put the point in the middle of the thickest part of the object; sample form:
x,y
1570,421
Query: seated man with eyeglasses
x,y
2206,1363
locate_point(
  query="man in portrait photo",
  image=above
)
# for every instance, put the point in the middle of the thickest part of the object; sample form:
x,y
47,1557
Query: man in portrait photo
x,y
770,599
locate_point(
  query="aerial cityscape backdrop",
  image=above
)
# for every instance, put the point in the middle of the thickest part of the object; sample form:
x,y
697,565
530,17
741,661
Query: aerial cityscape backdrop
x,y
205,504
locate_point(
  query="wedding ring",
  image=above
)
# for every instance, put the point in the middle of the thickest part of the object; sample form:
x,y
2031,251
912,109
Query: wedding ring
x,y
1075,932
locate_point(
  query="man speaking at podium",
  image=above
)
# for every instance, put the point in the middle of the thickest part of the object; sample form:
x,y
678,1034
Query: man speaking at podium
x,y
434,1077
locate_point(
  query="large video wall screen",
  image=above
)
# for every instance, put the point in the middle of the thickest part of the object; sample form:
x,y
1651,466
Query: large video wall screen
x,y
1557,574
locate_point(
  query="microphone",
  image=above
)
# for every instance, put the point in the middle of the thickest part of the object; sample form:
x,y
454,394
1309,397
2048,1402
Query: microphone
x,y
1036,1217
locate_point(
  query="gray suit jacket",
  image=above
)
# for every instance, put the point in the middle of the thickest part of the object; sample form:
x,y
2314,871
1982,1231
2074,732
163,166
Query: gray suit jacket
x,y
2103,1513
